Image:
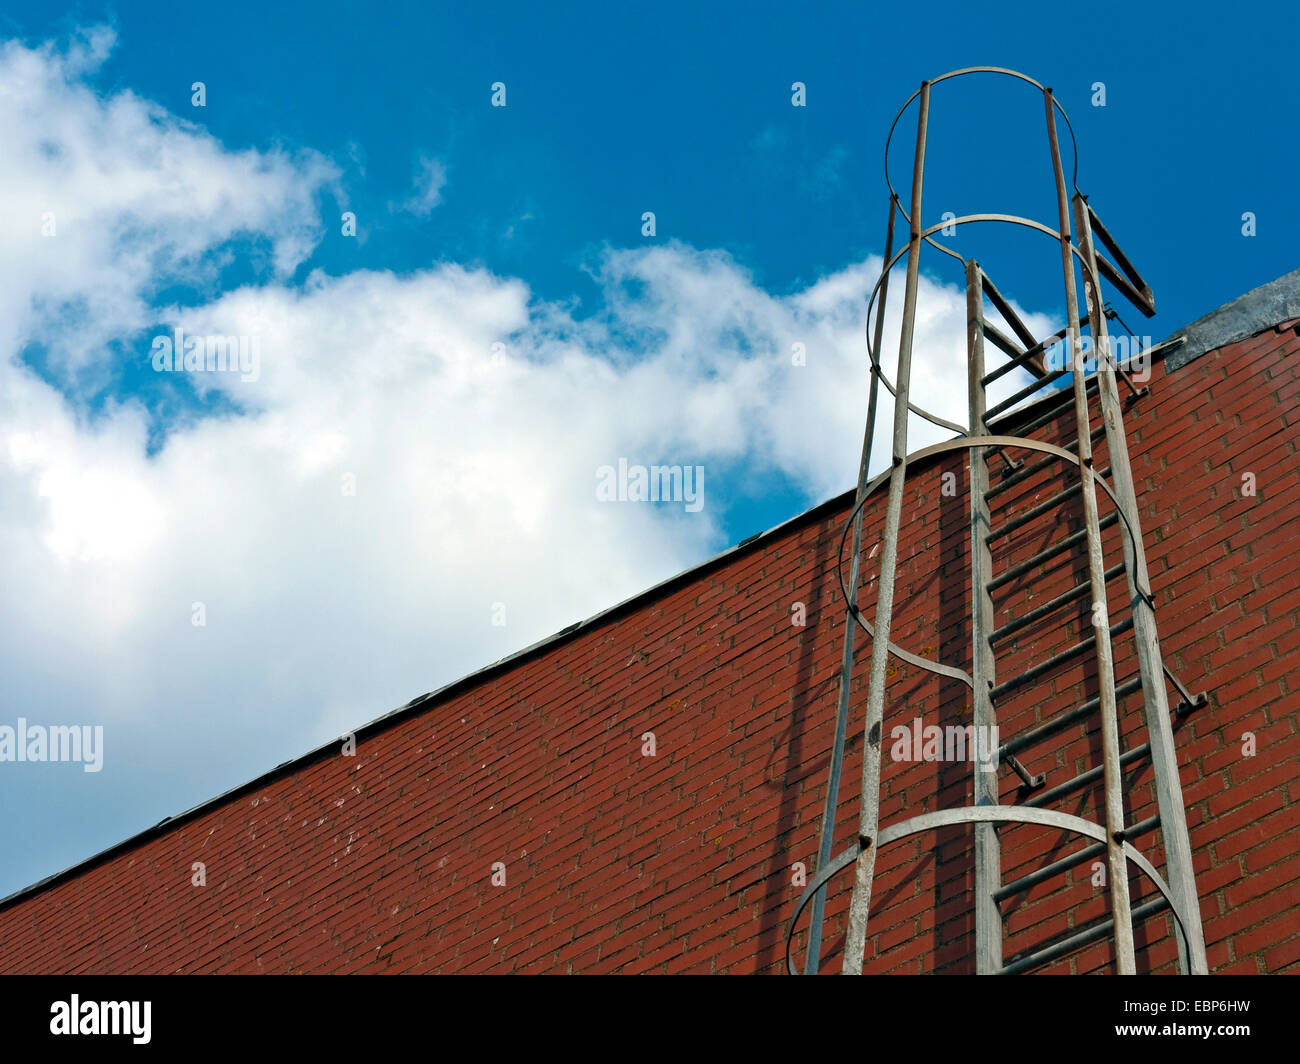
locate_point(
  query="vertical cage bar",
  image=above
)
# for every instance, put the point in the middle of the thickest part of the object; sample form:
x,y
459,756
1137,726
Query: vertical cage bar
x,y
869,816
1169,793
988,873
1125,961
826,840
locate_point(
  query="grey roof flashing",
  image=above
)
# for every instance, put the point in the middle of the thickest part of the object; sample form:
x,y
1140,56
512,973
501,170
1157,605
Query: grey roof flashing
x,y
1259,309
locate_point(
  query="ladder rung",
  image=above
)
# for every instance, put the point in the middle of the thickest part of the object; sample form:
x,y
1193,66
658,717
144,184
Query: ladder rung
x,y
1054,549
1092,774
1018,357
1036,511
1083,938
1025,392
1059,723
1001,340
1084,778
1030,470
1036,671
1066,863
1017,623
1052,411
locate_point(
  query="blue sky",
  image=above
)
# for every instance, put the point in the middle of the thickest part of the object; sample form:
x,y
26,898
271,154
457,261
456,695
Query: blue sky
x,y
127,495
612,112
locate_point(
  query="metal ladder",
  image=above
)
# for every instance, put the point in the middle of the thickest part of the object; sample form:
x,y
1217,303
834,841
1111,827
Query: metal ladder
x,y
989,529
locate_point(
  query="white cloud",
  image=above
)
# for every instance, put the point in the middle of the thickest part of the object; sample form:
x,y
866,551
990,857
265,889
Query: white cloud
x,y
430,180
131,193
471,416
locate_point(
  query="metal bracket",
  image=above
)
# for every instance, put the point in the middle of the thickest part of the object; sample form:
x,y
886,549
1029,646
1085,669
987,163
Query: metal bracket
x,y
1029,782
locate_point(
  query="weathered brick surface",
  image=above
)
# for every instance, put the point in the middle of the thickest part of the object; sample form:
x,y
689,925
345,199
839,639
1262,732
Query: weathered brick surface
x,y
681,862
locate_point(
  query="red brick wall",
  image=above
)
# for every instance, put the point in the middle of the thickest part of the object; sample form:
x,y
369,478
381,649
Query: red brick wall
x,y
681,862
